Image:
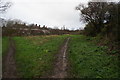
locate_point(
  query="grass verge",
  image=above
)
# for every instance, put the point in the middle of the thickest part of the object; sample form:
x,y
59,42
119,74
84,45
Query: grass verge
x,y
88,60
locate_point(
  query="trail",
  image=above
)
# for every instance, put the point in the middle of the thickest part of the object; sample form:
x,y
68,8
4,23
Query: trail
x,y
60,70
9,66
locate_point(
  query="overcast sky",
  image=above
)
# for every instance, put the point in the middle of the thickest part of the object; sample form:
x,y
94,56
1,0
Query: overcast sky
x,y
46,12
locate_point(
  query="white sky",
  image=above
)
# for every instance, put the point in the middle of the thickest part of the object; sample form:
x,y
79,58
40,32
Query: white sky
x,y
46,12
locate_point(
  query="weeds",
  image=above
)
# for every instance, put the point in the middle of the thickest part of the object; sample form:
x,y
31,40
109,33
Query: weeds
x,y
90,61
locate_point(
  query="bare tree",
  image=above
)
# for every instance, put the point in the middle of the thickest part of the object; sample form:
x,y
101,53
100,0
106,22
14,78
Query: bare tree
x,y
4,6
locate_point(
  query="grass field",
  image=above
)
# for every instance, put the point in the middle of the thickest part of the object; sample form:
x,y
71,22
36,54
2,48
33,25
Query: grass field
x,y
5,43
90,61
35,54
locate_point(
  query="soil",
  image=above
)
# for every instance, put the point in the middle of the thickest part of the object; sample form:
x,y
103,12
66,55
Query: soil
x,y
60,66
9,65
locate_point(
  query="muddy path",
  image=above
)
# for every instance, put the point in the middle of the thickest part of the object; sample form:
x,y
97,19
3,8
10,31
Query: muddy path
x,y
60,68
9,65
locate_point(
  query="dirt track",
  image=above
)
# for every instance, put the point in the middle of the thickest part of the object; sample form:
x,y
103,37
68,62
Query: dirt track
x,y
60,70
60,66
9,66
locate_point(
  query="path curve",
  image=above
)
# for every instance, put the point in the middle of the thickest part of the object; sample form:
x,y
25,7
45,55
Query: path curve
x,y
9,65
60,70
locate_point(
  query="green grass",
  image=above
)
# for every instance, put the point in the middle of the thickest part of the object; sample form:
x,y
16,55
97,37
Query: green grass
x,y
5,44
87,60
35,54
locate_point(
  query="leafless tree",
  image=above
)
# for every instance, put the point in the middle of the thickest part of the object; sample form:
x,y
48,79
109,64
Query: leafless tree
x,y
4,6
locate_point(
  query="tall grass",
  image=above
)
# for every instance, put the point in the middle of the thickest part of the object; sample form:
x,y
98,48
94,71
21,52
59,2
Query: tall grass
x,y
90,61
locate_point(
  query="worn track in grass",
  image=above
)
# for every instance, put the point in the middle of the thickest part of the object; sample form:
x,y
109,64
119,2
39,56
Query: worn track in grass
x,y
9,65
60,68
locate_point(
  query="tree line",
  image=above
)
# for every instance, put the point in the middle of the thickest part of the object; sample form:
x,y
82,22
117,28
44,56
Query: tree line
x,y
102,19
19,28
